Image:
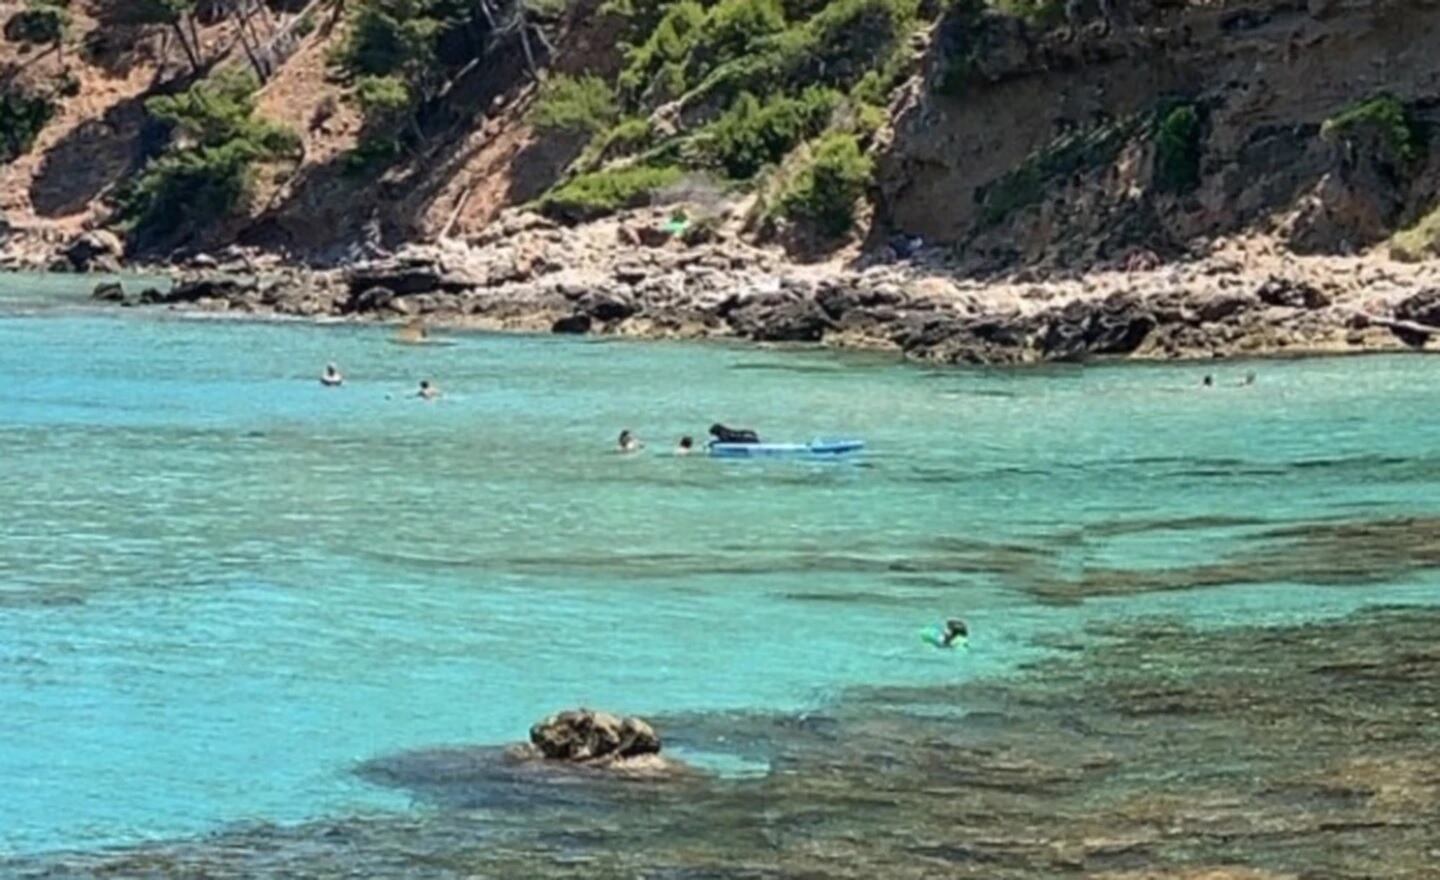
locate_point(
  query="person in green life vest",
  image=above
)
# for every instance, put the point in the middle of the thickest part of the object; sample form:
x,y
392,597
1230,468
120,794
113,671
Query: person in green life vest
x,y
955,630
954,633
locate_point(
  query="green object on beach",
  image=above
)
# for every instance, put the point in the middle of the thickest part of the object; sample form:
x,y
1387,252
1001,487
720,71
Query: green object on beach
x,y
676,225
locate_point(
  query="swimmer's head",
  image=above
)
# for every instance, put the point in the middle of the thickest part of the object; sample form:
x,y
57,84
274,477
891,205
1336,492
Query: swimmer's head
x,y
957,627
686,442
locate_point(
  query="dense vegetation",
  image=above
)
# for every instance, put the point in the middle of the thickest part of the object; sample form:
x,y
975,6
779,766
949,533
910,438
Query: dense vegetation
x,y
208,168
1419,242
41,22
1385,115
400,55
22,114
1177,149
829,184
736,89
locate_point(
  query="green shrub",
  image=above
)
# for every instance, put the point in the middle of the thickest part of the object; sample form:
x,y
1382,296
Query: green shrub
x,y
386,101
601,193
22,115
389,37
574,104
1177,149
219,111
1041,13
751,135
851,37
624,138
733,28
640,16
836,47
659,62
188,189
42,22
1386,114
371,154
1419,242
826,189
207,170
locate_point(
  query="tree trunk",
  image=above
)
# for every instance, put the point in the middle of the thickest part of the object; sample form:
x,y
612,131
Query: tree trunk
x,y
185,44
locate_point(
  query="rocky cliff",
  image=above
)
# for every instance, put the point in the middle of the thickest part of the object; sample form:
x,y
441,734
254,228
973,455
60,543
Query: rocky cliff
x,y
1025,144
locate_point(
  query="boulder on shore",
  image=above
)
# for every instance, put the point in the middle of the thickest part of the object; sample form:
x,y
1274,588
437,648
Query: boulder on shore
x,y
98,250
584,736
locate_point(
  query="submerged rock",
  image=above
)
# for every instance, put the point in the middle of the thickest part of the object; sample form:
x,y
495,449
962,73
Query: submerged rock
x,y
585,736
108,291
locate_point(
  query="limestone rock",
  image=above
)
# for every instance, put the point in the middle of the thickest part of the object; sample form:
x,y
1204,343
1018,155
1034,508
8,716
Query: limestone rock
x,y
777,317
1221,306
586,736
1280,291
96,250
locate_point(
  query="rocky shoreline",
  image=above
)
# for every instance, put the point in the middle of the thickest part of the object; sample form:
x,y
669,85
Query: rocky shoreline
x,y
629,277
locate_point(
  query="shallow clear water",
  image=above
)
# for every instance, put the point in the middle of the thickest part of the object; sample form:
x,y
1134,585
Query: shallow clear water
x,y
222,585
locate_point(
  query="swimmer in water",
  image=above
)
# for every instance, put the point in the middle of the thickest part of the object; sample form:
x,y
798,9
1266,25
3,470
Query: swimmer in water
x,y
413,333
687,446
1208,381
955,630
427,391
332,377
628,442
1249,379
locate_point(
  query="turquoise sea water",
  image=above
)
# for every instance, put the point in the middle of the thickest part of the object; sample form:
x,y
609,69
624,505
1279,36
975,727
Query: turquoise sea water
x,y
222,586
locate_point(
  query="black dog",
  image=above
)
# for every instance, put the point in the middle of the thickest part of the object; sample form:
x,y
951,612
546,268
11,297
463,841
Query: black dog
x,y
723,434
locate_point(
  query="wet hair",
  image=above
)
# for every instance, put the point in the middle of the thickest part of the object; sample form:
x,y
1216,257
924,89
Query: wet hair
x,y
957,626
1208,380
625,435
686,442
424,383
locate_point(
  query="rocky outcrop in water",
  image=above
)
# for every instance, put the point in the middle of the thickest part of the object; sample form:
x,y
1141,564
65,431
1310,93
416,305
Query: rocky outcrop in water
x,y
584,736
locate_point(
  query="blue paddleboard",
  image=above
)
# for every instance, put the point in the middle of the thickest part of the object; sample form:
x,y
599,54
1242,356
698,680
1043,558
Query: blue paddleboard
x,y
815,448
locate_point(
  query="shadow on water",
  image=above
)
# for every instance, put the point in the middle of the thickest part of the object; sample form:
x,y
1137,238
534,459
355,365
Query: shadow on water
x,y
1158,750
